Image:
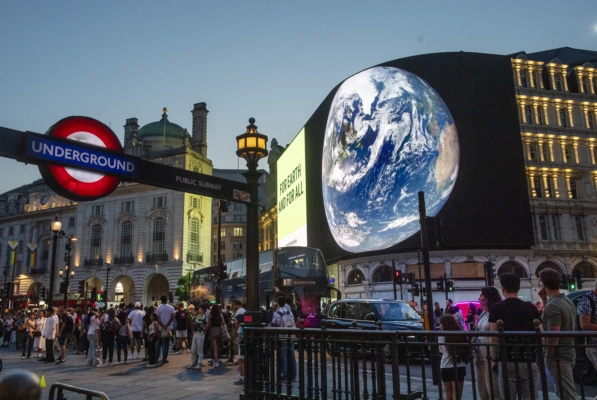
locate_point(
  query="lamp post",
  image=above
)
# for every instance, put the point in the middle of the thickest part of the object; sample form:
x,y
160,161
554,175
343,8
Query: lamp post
x,y
108,269
68,247
58,233
251,146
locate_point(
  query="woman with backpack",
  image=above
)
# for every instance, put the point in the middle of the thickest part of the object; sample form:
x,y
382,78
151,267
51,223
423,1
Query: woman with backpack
x,y
456,353
217,331
124,337
110,328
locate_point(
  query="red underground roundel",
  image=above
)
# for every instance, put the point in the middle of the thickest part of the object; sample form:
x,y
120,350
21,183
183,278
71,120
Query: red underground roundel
x,y
77,184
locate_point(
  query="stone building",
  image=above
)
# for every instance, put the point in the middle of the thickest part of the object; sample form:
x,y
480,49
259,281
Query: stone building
x,y
139,240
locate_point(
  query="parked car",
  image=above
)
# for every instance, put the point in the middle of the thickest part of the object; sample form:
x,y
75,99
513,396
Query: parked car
x,y
369,314
583,370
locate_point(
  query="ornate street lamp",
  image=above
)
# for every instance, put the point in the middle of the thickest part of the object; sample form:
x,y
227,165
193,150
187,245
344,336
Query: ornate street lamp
x,y
251,146
108,269
58,233
68,247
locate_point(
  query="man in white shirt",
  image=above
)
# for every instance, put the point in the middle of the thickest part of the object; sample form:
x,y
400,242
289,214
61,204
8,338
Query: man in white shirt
x,y
49,334
136,319
166,315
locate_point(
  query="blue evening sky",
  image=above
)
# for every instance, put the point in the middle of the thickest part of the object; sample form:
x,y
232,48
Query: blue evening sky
x,y
271,60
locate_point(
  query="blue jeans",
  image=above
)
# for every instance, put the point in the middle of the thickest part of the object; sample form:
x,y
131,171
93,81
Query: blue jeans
x,y
161,348
283,360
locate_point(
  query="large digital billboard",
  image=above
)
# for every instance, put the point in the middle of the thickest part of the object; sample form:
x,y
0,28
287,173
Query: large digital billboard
x,y
445,124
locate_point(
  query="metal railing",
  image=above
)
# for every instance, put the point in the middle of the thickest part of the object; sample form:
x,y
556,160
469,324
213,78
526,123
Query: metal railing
x,y
94,262
124,260
376,364
150,258
58,389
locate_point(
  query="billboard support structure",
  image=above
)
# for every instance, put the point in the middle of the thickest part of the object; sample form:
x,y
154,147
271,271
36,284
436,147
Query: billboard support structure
x,y
427,271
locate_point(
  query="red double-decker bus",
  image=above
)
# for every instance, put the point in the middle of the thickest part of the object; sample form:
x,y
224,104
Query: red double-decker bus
x,y
75,300
25,301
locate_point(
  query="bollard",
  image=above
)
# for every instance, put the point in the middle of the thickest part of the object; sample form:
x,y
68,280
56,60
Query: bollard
x,y
20,385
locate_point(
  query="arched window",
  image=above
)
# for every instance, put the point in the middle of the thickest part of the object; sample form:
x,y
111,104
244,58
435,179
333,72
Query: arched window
x,y
512,267
193,240
548,264
587,270
355,277
383,273
126,239
158,243
96,242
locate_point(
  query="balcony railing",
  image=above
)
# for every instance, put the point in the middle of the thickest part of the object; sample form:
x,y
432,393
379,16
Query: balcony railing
x,y
194,257
124,260
150,258
96,262
38,271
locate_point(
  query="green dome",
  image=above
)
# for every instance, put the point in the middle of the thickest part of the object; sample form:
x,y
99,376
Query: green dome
x,y
157,129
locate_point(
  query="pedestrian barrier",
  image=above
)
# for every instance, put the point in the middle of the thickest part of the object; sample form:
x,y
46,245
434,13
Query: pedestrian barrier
x,y
58,389
377,364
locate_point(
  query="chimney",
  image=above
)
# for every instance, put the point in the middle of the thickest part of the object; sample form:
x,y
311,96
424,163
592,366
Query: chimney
x,y
199,138
131,128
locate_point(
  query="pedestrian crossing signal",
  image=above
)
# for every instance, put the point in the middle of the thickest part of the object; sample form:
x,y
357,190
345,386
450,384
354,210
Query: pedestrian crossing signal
x,y
398,277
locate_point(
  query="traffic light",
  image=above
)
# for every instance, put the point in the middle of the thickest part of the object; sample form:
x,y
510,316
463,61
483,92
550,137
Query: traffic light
x,y
564,282
398,277
415,289
578,276
571,283
222,270
43,293
171,297
408,278
449,286
440,284
82,287
93,294
62,287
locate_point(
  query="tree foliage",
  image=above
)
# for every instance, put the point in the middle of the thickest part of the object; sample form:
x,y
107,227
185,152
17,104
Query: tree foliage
x,y
183,291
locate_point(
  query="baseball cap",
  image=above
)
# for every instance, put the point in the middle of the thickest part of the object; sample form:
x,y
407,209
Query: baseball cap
x,y
137,304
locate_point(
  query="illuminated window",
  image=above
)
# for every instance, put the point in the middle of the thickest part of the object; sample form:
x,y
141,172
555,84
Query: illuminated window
x,y
538,187
194,237
158,245
580,228
126,239
215,233
528,114
558,82
96,242
540,115
545,152
238,231
591,120
523,78
543,227
573,190
555,225
355,277
563,118
568,154
223,232
533,151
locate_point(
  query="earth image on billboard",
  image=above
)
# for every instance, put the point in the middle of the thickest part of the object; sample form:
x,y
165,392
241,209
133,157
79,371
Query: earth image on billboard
x,y
388,136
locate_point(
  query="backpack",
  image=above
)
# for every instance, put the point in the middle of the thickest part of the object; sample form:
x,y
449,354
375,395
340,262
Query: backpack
x,y
112,326
592,304
287,320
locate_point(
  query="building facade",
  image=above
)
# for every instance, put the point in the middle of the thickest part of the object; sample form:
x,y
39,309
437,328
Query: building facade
x,y
137,242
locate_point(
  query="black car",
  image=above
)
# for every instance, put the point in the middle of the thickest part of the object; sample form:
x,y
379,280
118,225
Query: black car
x,y
583,370
370,314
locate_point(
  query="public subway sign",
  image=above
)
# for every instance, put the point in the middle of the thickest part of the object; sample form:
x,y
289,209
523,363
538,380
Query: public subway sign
x,y
81,159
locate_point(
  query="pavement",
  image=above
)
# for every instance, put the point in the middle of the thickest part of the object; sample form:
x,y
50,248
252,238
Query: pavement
x,y
132,381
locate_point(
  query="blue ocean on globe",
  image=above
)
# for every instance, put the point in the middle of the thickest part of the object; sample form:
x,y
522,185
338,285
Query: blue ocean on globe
x,y
388,136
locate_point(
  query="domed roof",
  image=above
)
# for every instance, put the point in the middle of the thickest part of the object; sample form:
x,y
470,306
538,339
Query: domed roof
x,y
157,129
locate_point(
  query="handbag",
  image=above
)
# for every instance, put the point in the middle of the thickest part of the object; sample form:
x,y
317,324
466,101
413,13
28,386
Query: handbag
x,y
165,332
225,333
36,334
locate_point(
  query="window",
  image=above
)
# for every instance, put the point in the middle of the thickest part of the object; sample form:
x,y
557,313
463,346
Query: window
x,y
158,245
558,82
195,202
383,273
237,245
215,233
568,152
222,245
1,232
223,232
45,253
538,187
159,202
96,242
239,218
545,152
549,188
528,114
590,120
580,228
555,226
237,255
563,118
97,210
194,237
71,222
11,230
238,231
239,207
355,277
22,229
543,227
127,206
523,78
126,239
539,115
573,190
585,84
533,151
222,257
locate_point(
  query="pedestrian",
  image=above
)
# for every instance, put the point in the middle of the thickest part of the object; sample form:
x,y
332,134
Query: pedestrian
x,y
66,330
520,374
181,317
124,336
587,312
559,314
30,329
8,321
456,353
153,330
135,318
198,323
94,324
283,318
487,383
165,314
39,344
21,330
110,328
238,321
49,335
217,332
146,322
